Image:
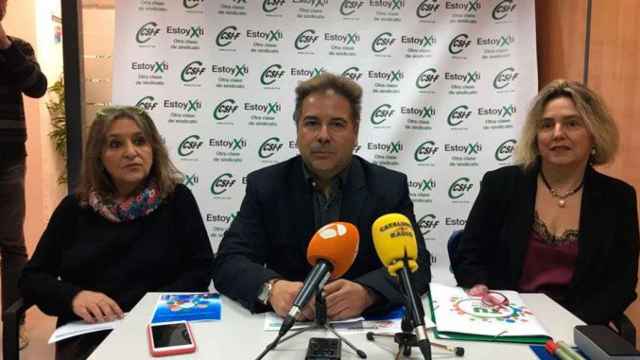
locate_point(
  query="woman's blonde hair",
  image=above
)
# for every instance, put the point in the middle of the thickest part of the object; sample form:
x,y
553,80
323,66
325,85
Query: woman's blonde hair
x,y
94,176
591,108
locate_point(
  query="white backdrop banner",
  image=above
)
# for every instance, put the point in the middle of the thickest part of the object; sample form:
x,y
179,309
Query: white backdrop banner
x,y
446,87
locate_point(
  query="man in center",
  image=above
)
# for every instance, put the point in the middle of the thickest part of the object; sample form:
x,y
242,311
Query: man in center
x,y
261,261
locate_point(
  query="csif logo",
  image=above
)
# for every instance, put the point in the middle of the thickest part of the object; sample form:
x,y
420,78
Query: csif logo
x,y
468,78
505,150
191,4
381,114
352,73
382,42
224,109
503,9
269,108
423,185
269,147
459,43
459,187
238,70
157,67
349,7
427,8
190,180
505,78
459,114
391,148
427,224
427,78
270,6
147,103
500,42
425,151
192,71
271,74
222,183
305,39
190,144
147,32
425,112
227,35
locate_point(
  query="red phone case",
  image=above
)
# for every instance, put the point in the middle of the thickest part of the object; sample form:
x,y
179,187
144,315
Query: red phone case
x,y
158,353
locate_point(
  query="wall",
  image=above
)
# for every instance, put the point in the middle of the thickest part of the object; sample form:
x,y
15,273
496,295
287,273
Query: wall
x,y
614,55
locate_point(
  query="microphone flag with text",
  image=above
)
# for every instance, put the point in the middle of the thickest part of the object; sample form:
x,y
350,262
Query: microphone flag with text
x,y
331,251
397,248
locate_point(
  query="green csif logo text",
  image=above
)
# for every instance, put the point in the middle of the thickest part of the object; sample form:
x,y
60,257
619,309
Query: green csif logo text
x,y
381,114
352,73
270,6
382,42
427,224
505,78
189,145
458,115
459,187
505,150
147,103
349,7
503,9
222,183
192,71
227,35
271,74
269,147
224,109
427,8
425,151
427,78
147,32
305,39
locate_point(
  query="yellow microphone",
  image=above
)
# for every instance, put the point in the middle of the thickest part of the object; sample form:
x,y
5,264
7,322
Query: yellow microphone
x,y
395,240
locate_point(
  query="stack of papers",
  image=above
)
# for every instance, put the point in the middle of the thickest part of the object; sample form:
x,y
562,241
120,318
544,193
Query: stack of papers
x,y
459,316
77,328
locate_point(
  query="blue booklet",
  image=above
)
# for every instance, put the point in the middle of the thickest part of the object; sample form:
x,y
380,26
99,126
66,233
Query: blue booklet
x,y
189,307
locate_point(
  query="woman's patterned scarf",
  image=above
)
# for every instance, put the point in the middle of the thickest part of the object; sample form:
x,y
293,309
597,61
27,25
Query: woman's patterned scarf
x,y
145,202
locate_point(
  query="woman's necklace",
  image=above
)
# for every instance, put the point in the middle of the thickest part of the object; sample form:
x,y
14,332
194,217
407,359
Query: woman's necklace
x,y
561,197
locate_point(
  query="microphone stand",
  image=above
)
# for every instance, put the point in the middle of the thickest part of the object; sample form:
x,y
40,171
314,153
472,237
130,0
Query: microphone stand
x,y
321,322
413,310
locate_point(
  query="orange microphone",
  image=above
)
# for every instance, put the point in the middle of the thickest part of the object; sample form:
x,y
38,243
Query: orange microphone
x,y
331,251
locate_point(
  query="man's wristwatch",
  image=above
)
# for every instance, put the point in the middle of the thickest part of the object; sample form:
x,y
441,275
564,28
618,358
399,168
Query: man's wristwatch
x,y
265,291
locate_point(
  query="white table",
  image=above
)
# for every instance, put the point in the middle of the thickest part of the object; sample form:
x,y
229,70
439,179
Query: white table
x,y
240,335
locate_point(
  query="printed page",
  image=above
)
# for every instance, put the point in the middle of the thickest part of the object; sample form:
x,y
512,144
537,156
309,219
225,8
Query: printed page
x,y
456,311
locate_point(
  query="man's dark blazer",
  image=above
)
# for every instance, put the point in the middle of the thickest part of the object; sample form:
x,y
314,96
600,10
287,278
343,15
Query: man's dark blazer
x,y
495,240
269,237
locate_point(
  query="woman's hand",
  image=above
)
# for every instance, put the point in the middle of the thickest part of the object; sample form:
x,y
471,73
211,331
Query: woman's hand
x,y
482,291
95,307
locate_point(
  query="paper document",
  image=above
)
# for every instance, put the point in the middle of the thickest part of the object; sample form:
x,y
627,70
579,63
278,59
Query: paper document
x,y
459,315
188,307
80,327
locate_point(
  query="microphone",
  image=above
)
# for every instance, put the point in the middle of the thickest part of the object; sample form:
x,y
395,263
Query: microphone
x,y
331,251
396,245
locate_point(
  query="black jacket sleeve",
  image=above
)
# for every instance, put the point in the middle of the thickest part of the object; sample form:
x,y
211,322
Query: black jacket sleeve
x,y
39,282
192,236
387,286
617,289
482,229
239,269
24,70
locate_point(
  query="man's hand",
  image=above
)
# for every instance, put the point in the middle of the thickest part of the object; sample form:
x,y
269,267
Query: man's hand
x,y
282,295
95,307
482,291
346,299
